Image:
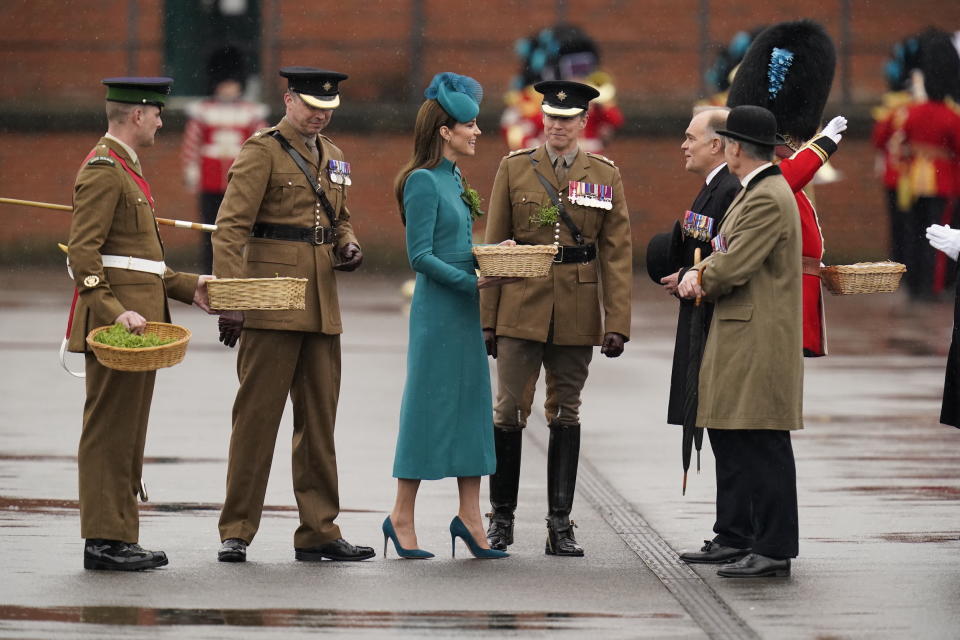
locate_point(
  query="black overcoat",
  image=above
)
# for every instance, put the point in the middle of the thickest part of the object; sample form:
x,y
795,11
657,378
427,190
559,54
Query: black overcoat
x,y
950,413
712,201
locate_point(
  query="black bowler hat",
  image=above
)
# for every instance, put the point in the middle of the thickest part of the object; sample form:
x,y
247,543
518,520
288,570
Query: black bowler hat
x,y
749,123
319,88
565,99
138,90
664,253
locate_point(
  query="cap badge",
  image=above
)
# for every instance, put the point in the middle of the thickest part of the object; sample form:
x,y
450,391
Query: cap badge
x,y
561,96
327,86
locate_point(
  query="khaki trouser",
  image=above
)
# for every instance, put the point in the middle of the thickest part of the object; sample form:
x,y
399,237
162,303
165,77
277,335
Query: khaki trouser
x,y
272,365
518,368
110,456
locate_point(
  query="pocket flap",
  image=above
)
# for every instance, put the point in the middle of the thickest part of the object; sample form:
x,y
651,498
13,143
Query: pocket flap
x,y
270,252
587,272
741,312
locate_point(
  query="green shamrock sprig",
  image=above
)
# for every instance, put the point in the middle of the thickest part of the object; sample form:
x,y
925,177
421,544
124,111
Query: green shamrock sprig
x,y
546,215
473,200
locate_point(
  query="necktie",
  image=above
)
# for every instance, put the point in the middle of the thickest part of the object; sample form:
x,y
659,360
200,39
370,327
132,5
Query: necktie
x,y
560,168
312,148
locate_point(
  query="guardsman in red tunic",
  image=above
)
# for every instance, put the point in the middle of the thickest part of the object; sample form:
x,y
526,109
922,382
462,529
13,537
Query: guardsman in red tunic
x,y
216,129
888,118
788,69
929,153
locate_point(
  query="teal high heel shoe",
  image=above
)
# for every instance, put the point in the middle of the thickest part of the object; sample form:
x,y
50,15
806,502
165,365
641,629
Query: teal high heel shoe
x,y
459,530
412,554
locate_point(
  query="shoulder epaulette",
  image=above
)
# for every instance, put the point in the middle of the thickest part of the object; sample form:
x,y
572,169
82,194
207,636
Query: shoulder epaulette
x,y
600,157
517,152
106,160
263,131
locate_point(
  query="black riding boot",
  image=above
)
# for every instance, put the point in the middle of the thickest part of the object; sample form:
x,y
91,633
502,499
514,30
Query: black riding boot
x,y
503,487
562,457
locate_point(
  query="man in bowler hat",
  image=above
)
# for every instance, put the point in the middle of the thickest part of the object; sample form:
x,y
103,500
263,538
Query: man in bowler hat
x,y
751,379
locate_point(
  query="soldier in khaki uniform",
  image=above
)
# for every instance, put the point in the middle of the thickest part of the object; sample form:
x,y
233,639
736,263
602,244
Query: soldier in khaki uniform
x,y
554,322
273,222
116,257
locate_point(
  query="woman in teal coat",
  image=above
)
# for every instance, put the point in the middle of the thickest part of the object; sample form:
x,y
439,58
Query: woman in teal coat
x,y
446,421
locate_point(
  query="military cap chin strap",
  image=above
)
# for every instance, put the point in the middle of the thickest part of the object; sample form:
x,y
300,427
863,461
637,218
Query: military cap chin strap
x,y
311,180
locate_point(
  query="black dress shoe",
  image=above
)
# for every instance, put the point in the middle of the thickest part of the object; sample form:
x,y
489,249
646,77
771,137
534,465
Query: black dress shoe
x,y
713,553
338,549
114,555
232,550
755,565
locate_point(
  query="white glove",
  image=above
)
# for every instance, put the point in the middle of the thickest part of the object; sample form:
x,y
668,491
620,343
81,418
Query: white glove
x,y
945,239
834,128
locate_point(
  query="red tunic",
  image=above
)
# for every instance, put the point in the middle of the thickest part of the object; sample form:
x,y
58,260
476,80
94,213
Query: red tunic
x,y
212,140
798,171
932,145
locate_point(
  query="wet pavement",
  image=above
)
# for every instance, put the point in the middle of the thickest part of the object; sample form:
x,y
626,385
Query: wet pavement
x,y
879,486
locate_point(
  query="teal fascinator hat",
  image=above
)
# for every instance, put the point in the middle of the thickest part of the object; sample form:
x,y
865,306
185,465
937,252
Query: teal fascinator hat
x,y
459,96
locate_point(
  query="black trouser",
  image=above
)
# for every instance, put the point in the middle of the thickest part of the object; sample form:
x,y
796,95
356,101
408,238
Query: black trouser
x,y
209,206
920,257
898,227
756,491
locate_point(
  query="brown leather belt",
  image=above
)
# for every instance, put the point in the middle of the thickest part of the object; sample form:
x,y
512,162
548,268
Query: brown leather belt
x,y
811,266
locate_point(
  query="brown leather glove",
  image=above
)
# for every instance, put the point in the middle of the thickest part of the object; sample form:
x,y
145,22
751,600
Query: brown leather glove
x,y
350,257
612,345
230,324
490,341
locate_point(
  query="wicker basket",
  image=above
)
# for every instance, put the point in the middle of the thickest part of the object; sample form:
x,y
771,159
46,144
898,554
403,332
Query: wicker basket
x,y
517,261
245,294
862,277
146,358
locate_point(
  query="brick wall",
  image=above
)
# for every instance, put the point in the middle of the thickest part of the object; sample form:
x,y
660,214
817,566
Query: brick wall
x,y
53,49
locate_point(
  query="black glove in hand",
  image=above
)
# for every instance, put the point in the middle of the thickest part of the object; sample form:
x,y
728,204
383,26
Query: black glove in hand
x,y
230,324
350,257
490,341
612,345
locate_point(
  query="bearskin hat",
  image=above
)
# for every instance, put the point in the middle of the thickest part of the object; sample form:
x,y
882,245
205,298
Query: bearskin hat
x,y
940,65
788,69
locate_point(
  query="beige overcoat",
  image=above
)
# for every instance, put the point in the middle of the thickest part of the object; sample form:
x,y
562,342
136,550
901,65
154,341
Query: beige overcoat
x,y
570,296
264,185
752,371
112,216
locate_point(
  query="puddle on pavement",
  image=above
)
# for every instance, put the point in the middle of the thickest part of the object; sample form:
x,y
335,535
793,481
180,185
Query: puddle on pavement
x,y
52,506
920,536
905,492
329,618
146,460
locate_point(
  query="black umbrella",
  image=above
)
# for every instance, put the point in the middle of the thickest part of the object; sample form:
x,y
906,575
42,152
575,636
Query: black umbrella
x,y
691,433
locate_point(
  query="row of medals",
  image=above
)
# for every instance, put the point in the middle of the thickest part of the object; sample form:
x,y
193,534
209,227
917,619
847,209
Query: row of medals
x,y
585,194
339,172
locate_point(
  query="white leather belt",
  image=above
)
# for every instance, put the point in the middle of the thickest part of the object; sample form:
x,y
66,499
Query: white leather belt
x,y
134,264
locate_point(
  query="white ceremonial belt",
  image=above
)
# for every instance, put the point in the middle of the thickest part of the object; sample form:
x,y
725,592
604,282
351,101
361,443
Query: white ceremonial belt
x,y
134,264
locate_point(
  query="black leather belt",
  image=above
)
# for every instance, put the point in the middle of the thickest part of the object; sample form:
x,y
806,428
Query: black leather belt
x,y
582,253
313,235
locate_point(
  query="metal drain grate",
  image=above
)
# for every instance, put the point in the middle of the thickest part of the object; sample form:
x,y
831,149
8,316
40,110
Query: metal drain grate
x,y
704,605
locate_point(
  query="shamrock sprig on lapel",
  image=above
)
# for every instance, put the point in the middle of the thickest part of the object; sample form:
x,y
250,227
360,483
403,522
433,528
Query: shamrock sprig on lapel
x,y
473,200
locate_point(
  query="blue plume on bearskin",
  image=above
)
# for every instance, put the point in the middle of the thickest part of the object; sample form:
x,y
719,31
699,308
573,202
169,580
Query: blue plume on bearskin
x,y
788,69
